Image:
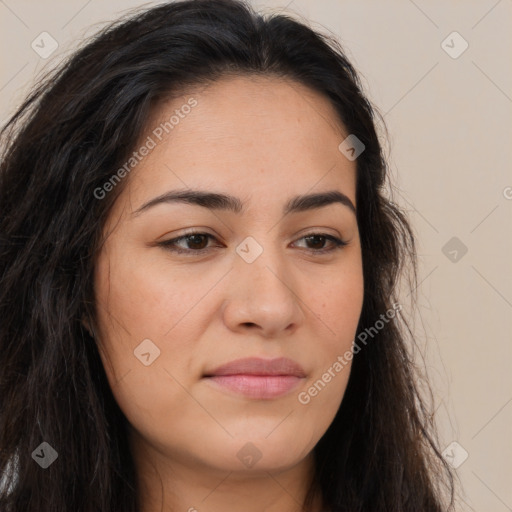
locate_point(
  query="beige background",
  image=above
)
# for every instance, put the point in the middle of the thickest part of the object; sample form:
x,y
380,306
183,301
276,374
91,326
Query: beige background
x,y
450,130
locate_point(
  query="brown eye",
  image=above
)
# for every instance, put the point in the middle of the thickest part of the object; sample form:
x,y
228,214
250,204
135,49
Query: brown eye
x,y
197,241
190,243
316,242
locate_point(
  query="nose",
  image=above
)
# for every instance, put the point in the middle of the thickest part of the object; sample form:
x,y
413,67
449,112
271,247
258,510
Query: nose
x,y
263,297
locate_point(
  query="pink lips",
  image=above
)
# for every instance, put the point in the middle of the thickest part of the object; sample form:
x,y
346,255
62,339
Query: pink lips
x,y
258,378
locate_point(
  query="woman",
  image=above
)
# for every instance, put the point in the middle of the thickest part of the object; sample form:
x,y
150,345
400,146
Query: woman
x,y
199,271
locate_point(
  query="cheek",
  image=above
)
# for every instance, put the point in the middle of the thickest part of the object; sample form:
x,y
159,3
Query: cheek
x,y
139,312
339,300
136,306
138,299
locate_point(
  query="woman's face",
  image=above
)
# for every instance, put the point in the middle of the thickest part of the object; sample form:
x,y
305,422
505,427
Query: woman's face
x,y
255,283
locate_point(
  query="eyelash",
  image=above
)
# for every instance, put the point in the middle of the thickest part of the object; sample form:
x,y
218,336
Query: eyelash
x,y
170,245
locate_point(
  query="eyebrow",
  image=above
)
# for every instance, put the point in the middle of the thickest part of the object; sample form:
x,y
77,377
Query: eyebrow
x,y
218,201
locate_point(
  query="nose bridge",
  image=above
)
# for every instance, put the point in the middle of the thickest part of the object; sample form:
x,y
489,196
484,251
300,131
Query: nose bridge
x,y
262,263
263,291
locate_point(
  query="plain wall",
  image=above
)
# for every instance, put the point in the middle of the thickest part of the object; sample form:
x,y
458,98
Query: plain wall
x,y
450,134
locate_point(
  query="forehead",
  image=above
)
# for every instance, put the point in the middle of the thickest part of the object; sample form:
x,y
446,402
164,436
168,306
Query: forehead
x,y
243,107
255,135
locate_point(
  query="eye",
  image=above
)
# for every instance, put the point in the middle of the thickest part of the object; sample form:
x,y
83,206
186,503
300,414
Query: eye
x,y
194,242
197,243
319,239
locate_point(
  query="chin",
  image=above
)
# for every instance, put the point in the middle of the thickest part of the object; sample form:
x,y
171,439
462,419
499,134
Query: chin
x,y
259,453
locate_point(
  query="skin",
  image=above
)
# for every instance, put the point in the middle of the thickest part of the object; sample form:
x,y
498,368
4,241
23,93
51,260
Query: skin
x,y
263,140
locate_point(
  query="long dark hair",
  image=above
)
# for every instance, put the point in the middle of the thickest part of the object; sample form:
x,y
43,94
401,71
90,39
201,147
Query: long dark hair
x,y
65,141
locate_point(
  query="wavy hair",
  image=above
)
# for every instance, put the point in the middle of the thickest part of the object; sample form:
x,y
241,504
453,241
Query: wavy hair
x,y
73,130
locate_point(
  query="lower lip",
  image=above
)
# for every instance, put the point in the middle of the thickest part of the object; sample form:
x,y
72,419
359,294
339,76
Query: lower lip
x,y
257,386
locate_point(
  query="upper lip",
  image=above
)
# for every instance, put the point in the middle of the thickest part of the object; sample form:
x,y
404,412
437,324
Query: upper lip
x,y
259,366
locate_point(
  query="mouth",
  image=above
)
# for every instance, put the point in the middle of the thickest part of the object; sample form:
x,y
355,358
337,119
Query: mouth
x,y
258,378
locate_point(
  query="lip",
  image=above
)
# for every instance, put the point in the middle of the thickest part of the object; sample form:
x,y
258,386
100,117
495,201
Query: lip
x,y
258,378
259,366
